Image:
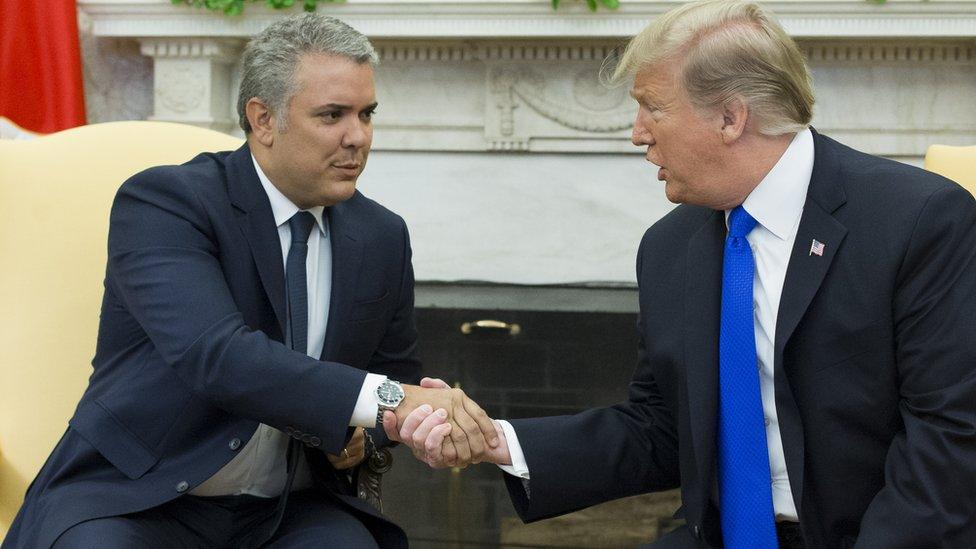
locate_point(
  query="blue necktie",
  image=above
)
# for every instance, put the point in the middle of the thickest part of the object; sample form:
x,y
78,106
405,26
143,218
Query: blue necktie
x,y
745,493
301,225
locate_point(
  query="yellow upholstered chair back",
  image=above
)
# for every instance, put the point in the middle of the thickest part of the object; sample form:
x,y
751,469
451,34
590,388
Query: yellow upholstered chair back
x,y
55,196
956,163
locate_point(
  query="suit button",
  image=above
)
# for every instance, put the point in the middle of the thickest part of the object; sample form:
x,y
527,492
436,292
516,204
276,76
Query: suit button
x,y
315,442
182,486
307,439
234,444
696,531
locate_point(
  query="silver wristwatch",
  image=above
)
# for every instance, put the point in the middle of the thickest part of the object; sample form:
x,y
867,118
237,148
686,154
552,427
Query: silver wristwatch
x,y
389,394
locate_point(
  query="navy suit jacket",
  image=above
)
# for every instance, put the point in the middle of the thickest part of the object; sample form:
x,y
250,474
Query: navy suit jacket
x,y
190,358
875,370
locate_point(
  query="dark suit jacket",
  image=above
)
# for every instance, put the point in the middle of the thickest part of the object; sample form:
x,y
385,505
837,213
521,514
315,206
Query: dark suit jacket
x,y
189,357
875,370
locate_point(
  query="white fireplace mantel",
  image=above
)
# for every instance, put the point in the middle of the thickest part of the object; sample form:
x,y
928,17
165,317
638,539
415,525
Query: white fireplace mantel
x,y
438,19
496,142
521,76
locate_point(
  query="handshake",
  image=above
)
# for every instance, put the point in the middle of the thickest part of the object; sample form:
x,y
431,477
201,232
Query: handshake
x,y
445,428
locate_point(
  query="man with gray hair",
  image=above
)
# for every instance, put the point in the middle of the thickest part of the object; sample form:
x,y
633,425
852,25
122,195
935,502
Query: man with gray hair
x,y
807,361
258,315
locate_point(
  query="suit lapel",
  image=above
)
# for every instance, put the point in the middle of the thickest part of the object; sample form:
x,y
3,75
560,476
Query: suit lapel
x,y
347,257
257,223
804,275
806,270
703,300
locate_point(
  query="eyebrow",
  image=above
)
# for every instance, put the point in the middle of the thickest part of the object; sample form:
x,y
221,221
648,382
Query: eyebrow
x,y
341,107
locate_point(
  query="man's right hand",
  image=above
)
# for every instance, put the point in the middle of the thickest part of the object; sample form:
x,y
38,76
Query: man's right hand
x,y
471,432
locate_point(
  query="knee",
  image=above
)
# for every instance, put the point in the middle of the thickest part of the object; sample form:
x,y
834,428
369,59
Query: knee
x,y
334,535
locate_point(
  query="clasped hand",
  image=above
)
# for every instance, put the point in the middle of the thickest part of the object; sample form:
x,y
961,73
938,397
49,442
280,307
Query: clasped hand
x,y
445,428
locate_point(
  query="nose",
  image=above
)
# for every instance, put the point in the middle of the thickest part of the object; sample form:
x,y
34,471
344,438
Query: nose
x,y
359,134
636,137
641,134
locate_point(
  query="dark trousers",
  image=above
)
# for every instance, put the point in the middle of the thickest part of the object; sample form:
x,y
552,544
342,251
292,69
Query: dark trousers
x,y
311,519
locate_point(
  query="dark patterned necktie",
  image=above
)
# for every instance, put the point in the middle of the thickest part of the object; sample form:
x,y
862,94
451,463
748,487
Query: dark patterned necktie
x,y
296,282
296,285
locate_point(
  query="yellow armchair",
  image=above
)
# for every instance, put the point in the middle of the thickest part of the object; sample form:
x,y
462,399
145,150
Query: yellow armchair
x,y
55,196
956,163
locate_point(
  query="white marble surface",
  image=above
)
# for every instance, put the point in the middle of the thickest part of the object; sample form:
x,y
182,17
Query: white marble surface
x,y
897,109
118,80
520,218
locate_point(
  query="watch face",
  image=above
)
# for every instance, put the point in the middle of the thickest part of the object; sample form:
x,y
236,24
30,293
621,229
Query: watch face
x,y
389,393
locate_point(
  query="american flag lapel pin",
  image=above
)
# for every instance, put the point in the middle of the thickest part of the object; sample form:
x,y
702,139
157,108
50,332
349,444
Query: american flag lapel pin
x,y
817,248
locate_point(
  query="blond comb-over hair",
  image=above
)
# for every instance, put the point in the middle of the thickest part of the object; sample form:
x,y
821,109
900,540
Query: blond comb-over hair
x,y
723,50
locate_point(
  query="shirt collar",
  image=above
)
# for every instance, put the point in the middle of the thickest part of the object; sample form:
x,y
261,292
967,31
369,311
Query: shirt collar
x,y
282,208
777,202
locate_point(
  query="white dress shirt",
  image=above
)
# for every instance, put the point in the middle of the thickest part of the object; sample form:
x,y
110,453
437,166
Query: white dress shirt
x,y
259,468
776,204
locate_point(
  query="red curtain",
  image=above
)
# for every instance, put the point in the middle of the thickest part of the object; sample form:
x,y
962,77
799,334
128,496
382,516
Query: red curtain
x,y
40,65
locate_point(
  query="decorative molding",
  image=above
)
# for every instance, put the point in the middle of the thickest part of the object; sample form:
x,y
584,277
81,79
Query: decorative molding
x,y
426,52
501,144
184,89
543,51
586,117
223,50
439,19
597,109
825,50
836,51
192,80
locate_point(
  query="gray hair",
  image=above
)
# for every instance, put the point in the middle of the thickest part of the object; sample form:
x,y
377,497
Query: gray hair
x,y
727,49
271,58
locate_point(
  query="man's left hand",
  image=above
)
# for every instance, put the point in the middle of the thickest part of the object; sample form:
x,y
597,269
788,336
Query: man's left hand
x,y
353,454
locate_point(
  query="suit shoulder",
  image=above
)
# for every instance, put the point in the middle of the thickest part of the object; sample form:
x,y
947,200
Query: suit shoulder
x,y
366,208
889,197
188,190
198,173
866,173
680,223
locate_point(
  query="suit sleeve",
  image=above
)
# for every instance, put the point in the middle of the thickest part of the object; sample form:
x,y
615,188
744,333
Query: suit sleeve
x,y
396,356
163,263
929,495
601,454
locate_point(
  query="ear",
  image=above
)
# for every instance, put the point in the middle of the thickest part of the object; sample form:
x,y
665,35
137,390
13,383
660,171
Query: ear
x,y
735,115
261,120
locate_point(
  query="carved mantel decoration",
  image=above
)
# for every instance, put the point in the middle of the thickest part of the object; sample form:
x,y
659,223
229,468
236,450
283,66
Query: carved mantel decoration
x,y
536,69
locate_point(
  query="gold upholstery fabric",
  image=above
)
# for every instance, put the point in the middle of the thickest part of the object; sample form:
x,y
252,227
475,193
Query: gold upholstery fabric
x,y
55,196
956,163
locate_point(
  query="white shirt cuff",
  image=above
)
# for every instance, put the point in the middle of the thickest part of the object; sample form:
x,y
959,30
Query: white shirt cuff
x,y
519,468
364,414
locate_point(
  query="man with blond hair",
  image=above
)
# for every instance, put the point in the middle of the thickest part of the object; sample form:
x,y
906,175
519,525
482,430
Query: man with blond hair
x,y
807,361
